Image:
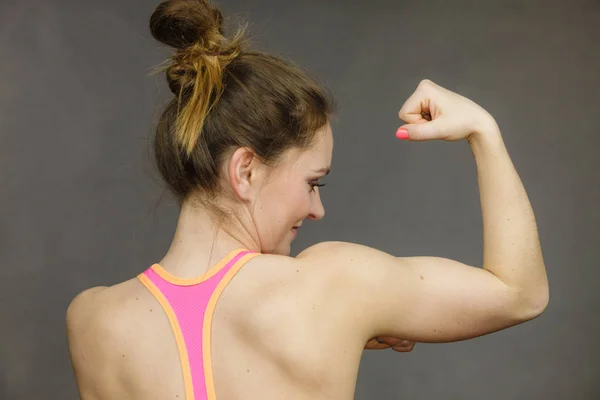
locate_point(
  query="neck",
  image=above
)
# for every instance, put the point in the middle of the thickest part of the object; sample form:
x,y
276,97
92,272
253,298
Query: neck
x,y
200,241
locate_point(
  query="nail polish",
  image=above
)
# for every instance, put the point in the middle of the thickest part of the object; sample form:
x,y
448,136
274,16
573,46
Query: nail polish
x,y
402,133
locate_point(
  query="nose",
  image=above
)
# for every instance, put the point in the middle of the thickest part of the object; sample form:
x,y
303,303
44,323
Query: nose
x,y
317,211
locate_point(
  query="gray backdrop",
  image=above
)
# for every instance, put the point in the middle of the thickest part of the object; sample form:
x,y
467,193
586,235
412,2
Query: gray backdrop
x,y
81,205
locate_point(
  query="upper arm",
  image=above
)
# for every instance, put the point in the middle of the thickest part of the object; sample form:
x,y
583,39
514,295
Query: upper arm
x,y
423,299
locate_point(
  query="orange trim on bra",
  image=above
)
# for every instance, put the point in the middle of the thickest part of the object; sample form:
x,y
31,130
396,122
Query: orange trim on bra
x,y
194,281
183,355
208,316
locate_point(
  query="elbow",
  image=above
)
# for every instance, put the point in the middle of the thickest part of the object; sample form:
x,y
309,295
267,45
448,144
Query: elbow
x,y
541,298
532,305
539,305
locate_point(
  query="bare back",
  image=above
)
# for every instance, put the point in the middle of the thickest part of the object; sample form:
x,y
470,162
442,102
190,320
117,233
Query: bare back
x,y
291,328
273,336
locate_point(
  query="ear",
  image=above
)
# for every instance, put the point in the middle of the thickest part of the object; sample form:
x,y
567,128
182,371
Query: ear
x,y
245,172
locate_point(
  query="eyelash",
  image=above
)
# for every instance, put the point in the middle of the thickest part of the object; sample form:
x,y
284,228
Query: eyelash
x,y
312,185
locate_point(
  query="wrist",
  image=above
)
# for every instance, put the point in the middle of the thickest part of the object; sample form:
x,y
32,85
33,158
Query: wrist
x,y
485,136
484,129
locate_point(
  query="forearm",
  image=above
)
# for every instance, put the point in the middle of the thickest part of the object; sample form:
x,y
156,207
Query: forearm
x,y
512,249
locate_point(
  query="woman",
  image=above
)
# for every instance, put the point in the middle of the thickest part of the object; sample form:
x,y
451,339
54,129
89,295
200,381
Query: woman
x,y
227,313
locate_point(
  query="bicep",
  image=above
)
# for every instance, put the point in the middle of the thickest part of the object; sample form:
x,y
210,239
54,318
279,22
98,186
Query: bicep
x,y
433,299
423,299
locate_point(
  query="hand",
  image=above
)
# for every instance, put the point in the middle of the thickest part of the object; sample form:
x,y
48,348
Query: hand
x,y
435,113
385,342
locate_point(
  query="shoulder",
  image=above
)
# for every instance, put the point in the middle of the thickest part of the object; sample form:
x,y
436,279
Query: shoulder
x,y
91,315
324,248
352,260
347,277
98,333
83,301
95,308
352,274
344,268
101,312
315,263
337,250
84,309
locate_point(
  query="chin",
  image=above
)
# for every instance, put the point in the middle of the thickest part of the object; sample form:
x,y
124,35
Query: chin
x,y
283,249
280,248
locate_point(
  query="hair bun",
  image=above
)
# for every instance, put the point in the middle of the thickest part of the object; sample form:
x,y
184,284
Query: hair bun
x,y
183,23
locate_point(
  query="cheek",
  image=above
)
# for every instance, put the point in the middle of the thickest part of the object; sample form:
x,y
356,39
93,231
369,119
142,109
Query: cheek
x,y
276,213
288,206
299,202
280,207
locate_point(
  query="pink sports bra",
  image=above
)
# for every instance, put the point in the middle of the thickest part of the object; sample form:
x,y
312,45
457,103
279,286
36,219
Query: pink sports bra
x,y
189,305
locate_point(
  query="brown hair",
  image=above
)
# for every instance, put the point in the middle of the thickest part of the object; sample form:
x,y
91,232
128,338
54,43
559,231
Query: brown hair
x,y
226,97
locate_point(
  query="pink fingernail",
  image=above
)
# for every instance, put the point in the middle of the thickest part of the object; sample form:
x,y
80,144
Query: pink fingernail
x,y
402,133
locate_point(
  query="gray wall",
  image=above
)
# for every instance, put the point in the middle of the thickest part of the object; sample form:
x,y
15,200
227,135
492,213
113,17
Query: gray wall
x,y
81,205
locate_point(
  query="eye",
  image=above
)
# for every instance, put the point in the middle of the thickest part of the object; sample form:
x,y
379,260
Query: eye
x,y
313,184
